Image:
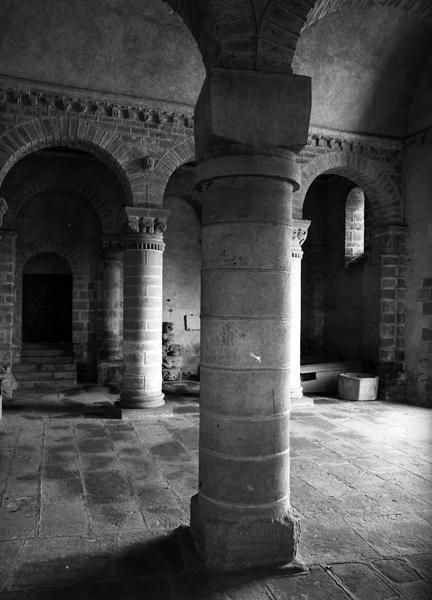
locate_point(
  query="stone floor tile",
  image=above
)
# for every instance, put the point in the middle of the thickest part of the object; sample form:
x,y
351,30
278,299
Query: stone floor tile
x,y
170,451
328,539
317,585
363,582
9,552
419,590
95,446
106,486
99,462
151,588
155,494
57,593
156,517
61,490
422,563
107,590
68,470
64,561
63,519
14,525
396,570
115,517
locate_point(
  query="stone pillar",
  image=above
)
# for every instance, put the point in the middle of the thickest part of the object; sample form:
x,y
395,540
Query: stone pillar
x,y
112,290
241,517
142,308
7,293
299,234
391,240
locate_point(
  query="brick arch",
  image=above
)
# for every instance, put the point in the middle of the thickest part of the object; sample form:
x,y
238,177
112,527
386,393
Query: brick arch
x,y
177,155
279,30
47,132
69,185
75,261
422,9
225,32
383,194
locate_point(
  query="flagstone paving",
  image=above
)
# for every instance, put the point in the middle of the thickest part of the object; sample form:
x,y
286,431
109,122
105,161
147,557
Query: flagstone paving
x,y
90,503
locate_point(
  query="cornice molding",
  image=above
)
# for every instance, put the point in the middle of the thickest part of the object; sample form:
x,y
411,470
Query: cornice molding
x,y
364,143
53,99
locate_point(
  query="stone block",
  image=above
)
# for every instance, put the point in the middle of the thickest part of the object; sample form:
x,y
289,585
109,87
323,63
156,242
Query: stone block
x,y
277,104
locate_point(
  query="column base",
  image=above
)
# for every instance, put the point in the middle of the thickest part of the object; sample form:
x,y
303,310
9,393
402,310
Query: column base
x,y
137,399
239,541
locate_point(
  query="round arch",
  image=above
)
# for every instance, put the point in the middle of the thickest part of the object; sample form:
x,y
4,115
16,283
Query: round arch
x,y
323,8
382,193
177,155
68,185
29,252
38,134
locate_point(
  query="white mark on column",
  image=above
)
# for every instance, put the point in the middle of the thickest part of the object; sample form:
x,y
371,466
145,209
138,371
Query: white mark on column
x,y
257,358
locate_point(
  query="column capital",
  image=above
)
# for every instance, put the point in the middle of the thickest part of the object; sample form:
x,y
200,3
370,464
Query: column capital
x,y
299,234
391,239
3,209
145,228
143,219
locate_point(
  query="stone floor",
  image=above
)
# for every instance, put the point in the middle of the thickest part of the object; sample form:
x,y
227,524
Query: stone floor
x,y
89,502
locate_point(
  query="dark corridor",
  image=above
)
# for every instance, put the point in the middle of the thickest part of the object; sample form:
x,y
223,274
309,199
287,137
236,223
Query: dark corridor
x,y
47,307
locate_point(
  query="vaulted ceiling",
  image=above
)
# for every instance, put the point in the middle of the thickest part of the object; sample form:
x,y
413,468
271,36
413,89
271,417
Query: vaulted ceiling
x,y
370,60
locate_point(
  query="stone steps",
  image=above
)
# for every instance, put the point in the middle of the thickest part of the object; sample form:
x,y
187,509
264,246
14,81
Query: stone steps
x,y
45,366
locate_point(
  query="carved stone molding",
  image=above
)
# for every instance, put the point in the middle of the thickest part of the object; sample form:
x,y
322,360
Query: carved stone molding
x,y
145,228
383,148
53,100
299,235
3,209
420,139
391,239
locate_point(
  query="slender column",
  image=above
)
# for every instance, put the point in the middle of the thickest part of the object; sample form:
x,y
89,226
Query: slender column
x,y
111,347
241,517
299,234
7,293
391,241
142,308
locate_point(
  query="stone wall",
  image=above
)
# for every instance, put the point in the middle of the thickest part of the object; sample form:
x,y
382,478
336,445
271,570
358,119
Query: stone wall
x,y
181,280
419,280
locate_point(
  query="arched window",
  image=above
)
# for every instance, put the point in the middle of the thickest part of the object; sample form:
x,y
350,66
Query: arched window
x,y
354,225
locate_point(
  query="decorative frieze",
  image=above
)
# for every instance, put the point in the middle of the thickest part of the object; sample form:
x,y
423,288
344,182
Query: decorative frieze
x,y
47,100
381,148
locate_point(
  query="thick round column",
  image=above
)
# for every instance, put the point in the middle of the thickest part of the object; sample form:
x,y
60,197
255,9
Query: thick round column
x,y
142,312
112,301
299,231
241,516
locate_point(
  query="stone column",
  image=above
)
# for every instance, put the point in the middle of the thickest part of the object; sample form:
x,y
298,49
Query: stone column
x,y
142,308
112,289
299,234
241,517
391,240
7,291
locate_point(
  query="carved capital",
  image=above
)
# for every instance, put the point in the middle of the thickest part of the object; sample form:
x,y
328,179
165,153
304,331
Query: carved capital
x,y
3,209
146,220
299,235
391,239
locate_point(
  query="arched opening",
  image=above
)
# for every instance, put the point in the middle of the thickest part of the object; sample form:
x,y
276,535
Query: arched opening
x,y
47,299
181,283
340,281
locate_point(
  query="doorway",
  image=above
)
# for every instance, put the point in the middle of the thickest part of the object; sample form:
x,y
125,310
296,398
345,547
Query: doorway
x,y
47,300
